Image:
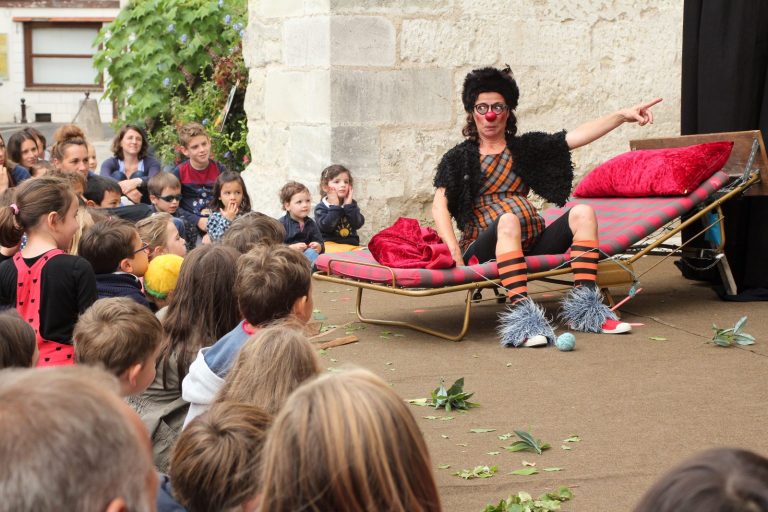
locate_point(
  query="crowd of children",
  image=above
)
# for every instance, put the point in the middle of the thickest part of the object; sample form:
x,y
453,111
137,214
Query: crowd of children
x,y
166,289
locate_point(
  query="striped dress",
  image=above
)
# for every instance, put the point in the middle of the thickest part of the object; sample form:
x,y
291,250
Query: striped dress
x,y
502,191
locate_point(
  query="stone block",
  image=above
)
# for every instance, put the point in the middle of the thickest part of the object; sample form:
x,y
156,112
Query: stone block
x,y
468,42
306,41
356,148
411,96
288,8
263,43
362,41
297,96
309,153
254,94
397,7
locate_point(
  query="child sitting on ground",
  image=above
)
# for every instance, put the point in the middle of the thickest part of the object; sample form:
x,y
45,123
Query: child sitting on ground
x,y
165,195
118,257
201,310
718,480
197,175
101,192
337,214
230,201
123,337
160,281
46,210
253,229
18,346
159,231
272,283
270,366
301,232
215,464
311,462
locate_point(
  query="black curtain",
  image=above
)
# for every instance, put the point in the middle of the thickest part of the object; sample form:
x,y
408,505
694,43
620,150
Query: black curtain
x,y
725,88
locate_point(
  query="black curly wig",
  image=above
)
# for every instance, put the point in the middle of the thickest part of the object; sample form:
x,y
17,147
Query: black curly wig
x,y
489,80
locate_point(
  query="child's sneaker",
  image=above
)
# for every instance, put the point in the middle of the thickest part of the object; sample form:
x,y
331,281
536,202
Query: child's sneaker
x,y
535,341
615,327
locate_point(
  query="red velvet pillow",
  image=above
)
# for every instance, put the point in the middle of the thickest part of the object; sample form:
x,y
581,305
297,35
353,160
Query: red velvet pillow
x,y
655,172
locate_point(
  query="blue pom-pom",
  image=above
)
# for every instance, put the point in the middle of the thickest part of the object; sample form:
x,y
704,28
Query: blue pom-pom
x,y
565,342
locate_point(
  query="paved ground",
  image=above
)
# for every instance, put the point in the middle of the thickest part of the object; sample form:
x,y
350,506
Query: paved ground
x,y
639,405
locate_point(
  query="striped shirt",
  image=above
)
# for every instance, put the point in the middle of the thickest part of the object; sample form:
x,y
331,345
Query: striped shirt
x,y
502,191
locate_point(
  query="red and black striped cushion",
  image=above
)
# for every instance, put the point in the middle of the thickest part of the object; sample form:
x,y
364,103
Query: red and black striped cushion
x,y
622,223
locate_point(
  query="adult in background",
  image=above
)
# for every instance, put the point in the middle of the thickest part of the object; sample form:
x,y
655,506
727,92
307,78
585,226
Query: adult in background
x,y
68,442
483,184
131,166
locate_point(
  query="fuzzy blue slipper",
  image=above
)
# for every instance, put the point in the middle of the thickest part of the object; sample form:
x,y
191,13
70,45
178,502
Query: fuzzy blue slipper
x,y
522,321
583,310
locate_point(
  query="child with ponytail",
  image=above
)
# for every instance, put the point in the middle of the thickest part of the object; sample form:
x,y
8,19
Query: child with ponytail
x,y
48,287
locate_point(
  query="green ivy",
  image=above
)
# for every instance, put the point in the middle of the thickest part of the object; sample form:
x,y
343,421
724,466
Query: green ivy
x,y
175,61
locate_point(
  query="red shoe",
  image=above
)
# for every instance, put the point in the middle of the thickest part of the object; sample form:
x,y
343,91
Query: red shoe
x,y
615,327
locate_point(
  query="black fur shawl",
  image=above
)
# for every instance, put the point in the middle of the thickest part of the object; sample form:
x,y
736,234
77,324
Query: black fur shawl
x,y
542,160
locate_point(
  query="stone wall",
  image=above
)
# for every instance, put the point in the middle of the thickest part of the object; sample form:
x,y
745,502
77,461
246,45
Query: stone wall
x,y
375,84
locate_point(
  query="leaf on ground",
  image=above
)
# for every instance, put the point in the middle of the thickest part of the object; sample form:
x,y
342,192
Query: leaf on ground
x,y
527,443
551,470
524,502
421,402
462,444
524,472
327,327
334,369
446,418
504,437
477,472
492,453
529,464
509,365
334,360
444,436
389,363
481,430
573,438
431,417
657,338
322,352
565,447
443,466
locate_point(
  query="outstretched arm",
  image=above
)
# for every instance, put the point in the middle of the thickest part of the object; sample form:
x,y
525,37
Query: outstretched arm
x,y
593,130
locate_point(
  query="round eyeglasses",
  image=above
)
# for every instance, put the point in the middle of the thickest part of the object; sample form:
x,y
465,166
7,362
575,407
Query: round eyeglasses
x,y
496,108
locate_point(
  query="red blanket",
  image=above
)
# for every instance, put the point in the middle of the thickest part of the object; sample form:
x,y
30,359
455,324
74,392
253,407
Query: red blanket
x,y
405,244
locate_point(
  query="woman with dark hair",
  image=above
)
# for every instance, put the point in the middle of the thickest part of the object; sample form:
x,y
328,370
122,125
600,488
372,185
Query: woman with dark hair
x,y
20,155
131,166
201,310
483,184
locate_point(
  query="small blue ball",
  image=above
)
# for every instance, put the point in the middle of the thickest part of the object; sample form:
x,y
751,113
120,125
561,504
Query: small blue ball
x,y
565,342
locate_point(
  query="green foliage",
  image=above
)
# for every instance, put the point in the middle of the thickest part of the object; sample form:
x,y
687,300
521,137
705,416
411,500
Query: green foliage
x,y
527,443
524,502
477,472
175,61
453,398
727,337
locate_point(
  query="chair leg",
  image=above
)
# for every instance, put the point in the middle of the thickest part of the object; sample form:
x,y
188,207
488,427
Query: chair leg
x,y
726,275
408,325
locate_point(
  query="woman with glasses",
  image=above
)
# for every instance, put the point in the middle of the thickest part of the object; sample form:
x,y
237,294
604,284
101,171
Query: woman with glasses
x,y
131,166
483,184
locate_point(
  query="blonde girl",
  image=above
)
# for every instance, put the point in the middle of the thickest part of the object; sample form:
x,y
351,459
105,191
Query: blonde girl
x,y
346,442
269,367
337,214
159,231
48,287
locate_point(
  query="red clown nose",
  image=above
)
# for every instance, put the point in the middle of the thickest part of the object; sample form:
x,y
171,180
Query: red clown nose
x,y
490,116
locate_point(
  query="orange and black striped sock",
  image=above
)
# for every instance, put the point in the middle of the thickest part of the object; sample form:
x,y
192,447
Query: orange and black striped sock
x,y
513,272
584,257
